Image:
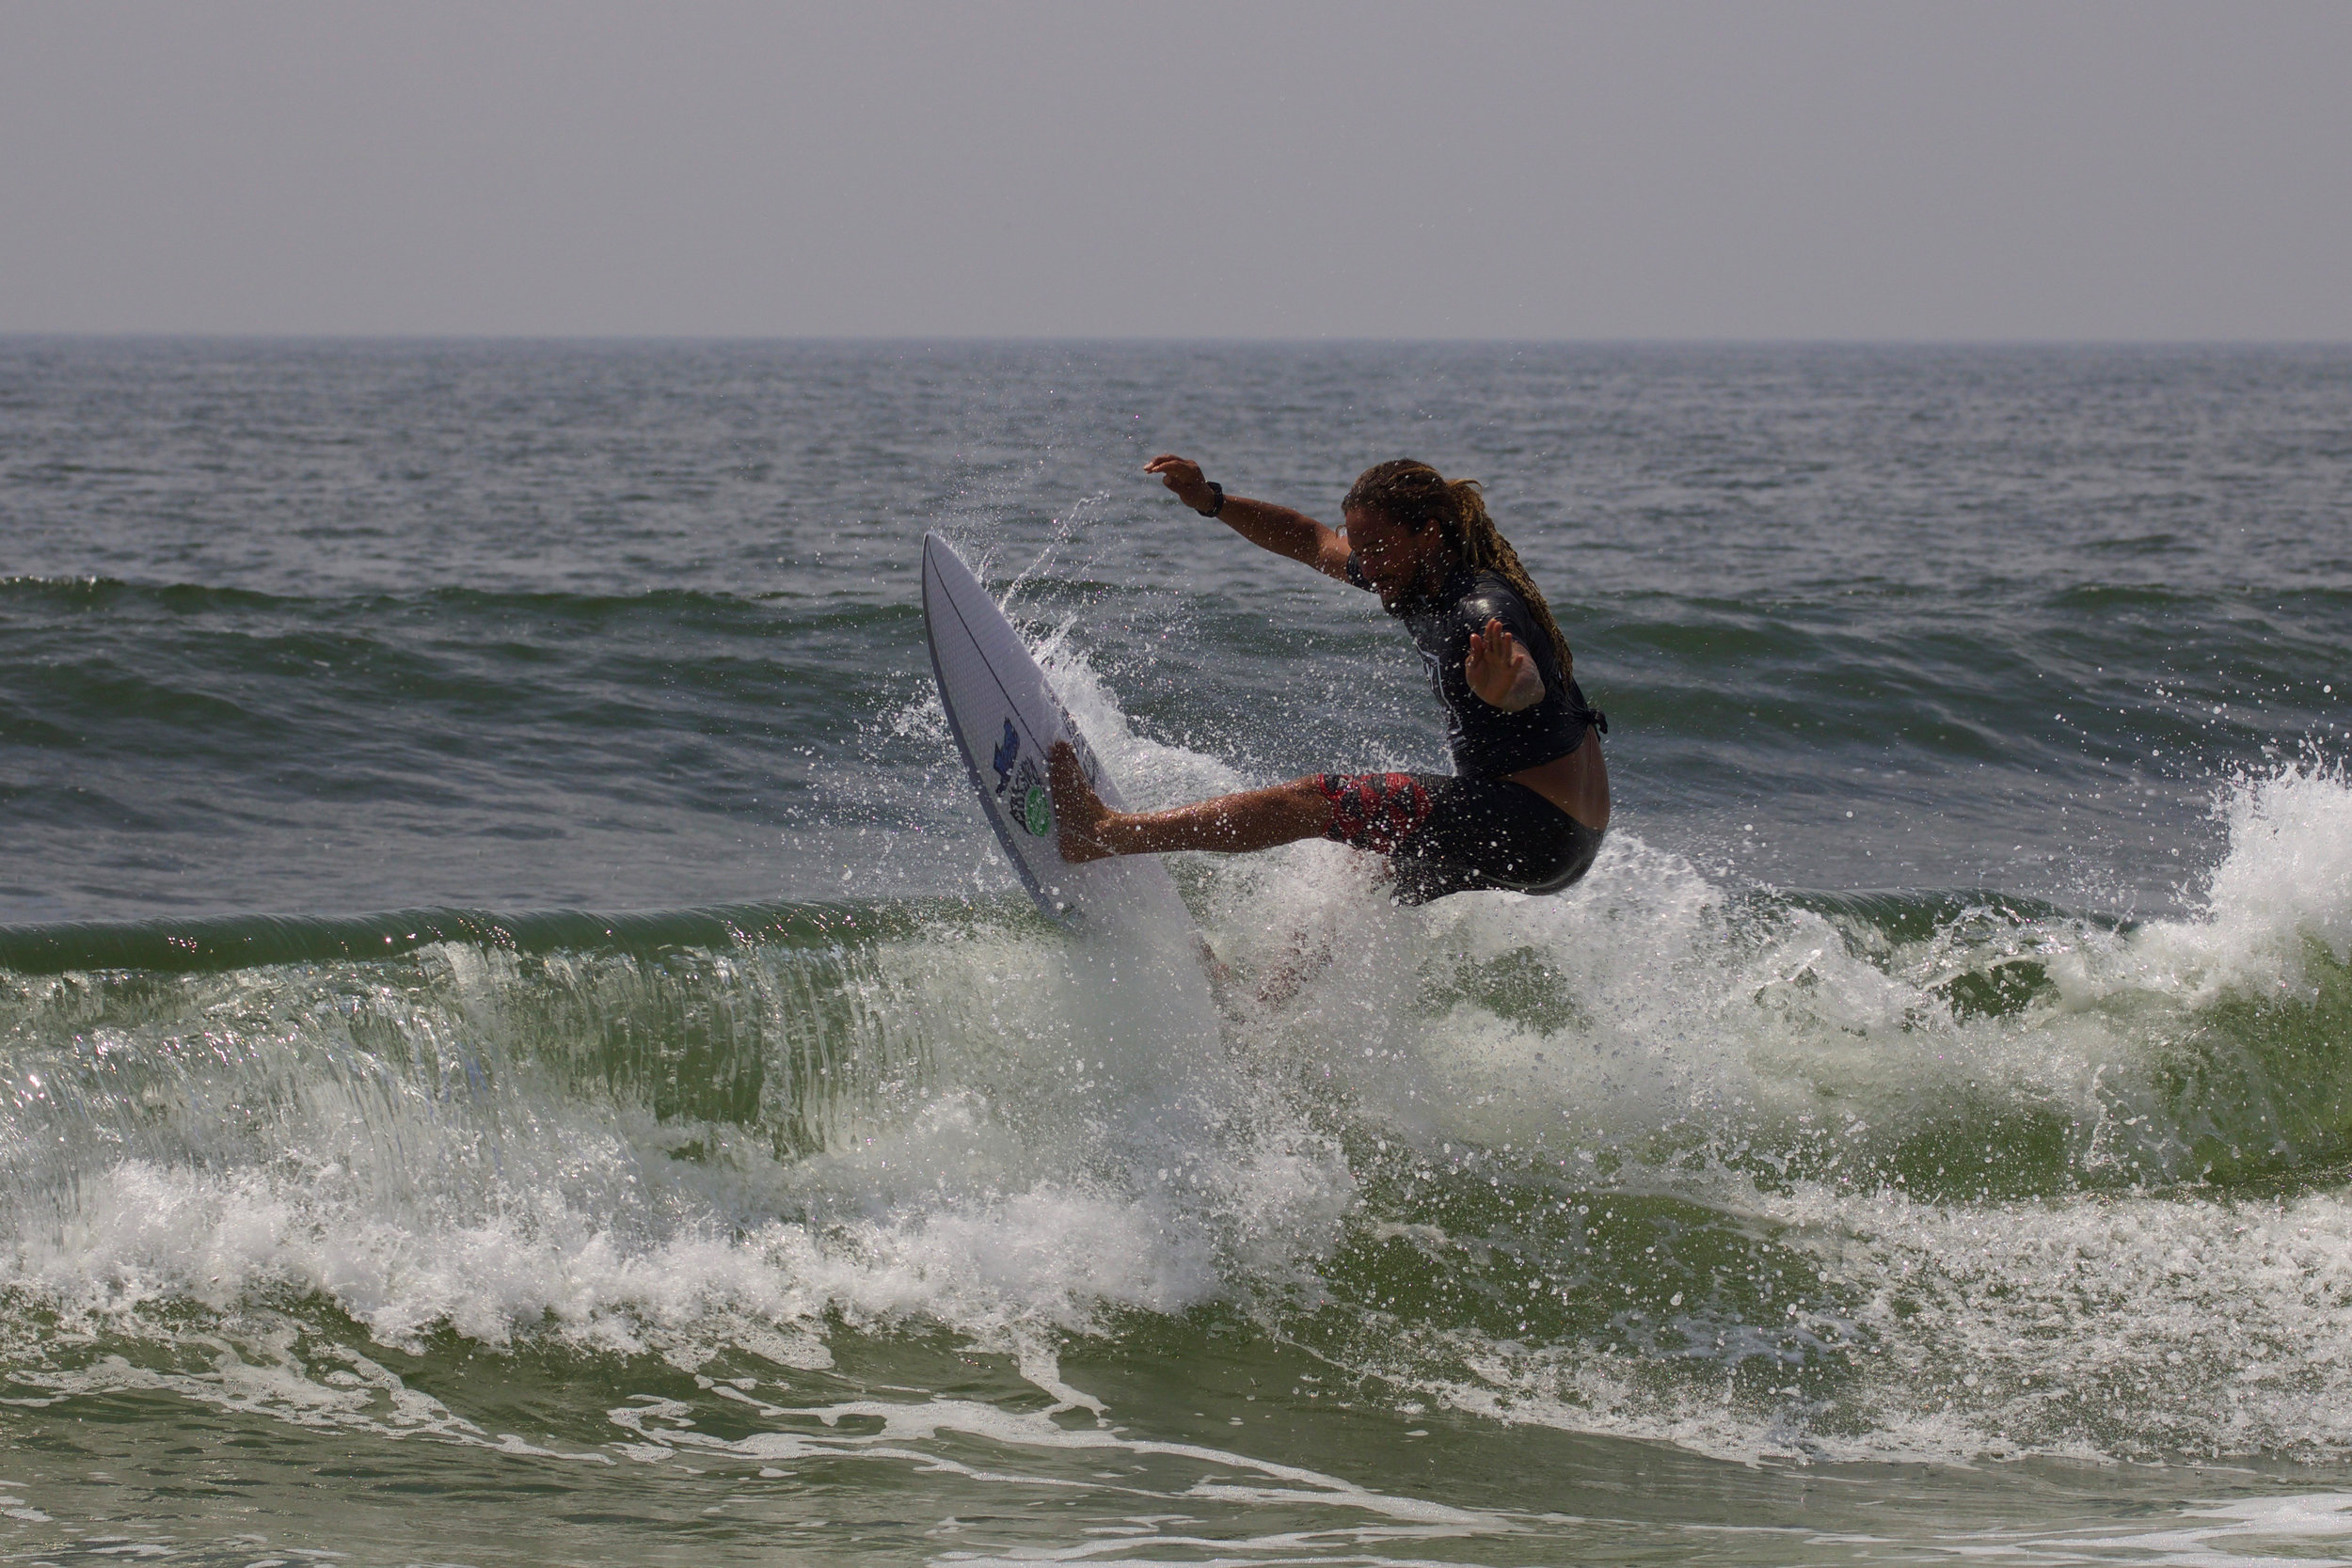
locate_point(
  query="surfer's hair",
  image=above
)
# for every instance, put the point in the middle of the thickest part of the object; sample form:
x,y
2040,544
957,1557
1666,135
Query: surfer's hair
x,y
1414,495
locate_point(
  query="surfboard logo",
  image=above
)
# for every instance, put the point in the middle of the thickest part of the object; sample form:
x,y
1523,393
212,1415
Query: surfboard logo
x,y
1031,806
1027,801
1008,751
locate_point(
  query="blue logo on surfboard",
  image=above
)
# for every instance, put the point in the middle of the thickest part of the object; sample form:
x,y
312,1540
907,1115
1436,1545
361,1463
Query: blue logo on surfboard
x,y
1008,751
1032,806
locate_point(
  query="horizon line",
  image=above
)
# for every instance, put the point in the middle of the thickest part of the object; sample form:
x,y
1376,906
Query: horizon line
x,y
1142,339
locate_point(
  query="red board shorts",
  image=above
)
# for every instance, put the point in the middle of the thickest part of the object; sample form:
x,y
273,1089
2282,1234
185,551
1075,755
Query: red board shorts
x,y
1443,833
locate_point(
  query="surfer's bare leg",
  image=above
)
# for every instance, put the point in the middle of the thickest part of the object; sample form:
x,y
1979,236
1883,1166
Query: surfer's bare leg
x,y
1234,824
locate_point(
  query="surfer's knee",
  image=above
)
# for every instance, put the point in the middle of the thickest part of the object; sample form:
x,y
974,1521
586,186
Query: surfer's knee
x,y
1306,799
1308,786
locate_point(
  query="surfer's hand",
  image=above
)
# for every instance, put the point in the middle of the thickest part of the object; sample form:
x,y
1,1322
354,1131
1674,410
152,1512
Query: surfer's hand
x,y
1502,672
1184,476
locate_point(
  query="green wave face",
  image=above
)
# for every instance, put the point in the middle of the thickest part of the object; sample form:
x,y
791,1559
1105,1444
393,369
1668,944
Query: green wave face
x,y
1644,1156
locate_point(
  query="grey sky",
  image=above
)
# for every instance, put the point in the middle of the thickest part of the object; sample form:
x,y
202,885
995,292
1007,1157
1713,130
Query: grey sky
x,y
2094,169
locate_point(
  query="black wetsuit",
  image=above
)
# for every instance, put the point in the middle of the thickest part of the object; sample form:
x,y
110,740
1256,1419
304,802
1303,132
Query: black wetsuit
x,y
1474,828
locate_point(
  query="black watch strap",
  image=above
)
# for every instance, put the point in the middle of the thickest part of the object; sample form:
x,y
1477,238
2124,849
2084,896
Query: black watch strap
x,y
1216,505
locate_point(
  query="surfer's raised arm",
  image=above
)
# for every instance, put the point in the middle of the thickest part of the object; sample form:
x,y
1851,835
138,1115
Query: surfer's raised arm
x,y
1262,523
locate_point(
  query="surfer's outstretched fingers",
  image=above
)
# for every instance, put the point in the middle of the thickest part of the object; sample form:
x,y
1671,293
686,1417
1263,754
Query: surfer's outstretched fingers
x,y
1182,475
1079,814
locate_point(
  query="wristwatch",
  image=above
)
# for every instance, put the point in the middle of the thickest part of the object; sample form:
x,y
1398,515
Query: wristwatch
x,y
1216,506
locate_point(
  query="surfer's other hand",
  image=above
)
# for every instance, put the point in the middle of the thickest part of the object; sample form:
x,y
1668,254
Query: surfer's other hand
x,y
1500,671
1079,814
1184,476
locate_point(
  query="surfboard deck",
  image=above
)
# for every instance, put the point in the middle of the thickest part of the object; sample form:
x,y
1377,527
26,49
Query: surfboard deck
x,y
1006,719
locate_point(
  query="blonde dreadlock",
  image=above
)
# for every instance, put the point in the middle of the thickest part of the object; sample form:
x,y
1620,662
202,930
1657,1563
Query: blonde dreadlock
x,y
1414,495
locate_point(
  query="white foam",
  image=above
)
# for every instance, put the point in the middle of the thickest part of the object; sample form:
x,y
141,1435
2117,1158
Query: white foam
x,y
2284,885
1704,1032
906,1432
1043,1169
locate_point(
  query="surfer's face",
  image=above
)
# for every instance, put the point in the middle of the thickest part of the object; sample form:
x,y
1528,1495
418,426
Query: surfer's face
x,y
1392,557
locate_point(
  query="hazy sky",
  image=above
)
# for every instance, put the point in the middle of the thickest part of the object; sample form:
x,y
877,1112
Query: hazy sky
x,y
1990,169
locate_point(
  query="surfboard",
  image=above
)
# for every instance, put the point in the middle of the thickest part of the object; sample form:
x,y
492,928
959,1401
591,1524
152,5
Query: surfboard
x,y
1006,718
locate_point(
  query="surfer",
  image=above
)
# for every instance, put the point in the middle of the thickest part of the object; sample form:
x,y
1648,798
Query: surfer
x,y
1528,799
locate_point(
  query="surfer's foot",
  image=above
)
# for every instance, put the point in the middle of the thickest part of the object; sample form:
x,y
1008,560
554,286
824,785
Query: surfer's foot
x,y
1079,814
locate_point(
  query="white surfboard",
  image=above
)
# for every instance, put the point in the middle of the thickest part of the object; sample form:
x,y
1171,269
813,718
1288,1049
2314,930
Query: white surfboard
x,y
1006,719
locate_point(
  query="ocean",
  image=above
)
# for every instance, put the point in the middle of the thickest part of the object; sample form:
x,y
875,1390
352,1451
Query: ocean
x,y
521,1048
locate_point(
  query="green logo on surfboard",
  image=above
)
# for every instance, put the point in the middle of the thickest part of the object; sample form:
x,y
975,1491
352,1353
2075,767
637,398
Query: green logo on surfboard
x,y
1037,811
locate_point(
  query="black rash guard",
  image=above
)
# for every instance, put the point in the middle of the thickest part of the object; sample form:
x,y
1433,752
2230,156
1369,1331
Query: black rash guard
x,y
1487,742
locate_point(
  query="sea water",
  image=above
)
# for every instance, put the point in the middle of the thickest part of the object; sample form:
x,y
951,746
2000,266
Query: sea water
x,y
519,1047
